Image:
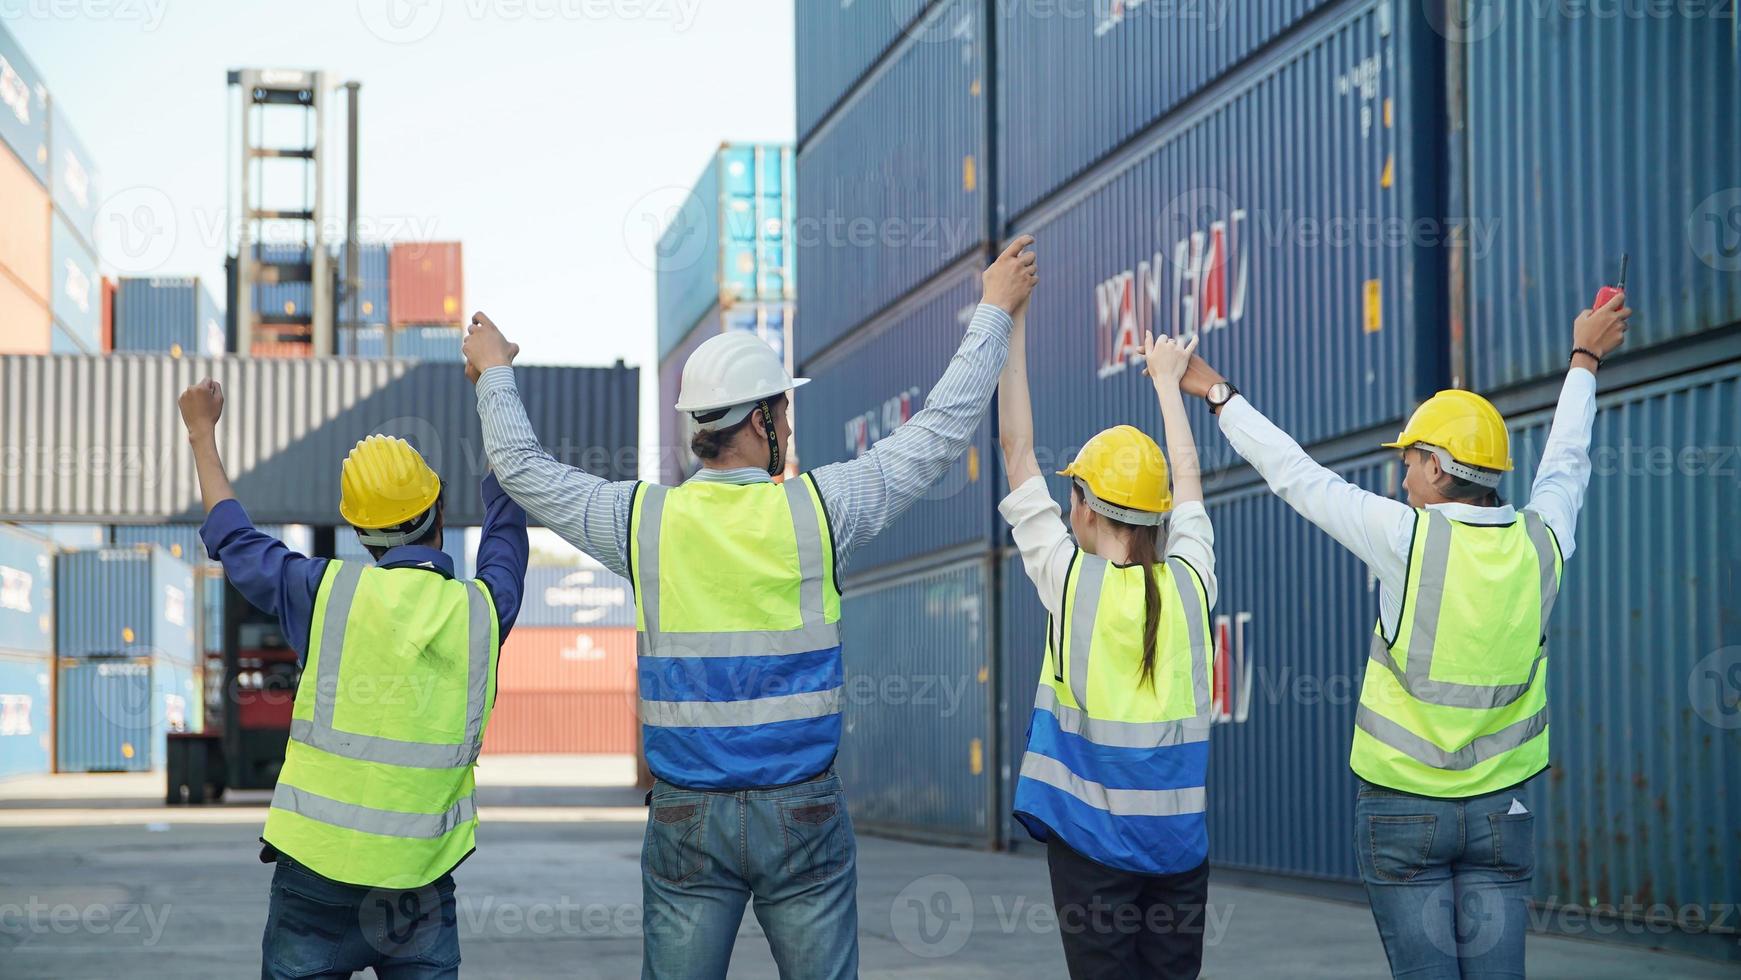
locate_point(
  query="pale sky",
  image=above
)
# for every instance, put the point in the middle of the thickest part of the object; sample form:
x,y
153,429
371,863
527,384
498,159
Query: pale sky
x,y
550,136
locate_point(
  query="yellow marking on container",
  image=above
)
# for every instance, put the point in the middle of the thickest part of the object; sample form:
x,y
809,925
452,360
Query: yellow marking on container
x,y
984,673
127,750
972,464
174,350
973,89
289,308
976,757
127,634
449,305
1385,179
969,174
1374,306
1386,113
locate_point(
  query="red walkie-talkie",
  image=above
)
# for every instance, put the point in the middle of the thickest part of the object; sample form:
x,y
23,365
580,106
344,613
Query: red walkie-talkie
x,y
1607,293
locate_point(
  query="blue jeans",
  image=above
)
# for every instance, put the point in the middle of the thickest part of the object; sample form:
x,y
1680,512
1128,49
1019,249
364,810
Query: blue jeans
x,y
316,927
1448,880
707,853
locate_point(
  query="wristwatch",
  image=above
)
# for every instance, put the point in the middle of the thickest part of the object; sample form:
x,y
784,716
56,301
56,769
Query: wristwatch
x,y
1220,393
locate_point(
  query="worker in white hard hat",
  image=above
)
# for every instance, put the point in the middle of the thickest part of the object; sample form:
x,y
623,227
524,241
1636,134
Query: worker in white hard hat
x,y
738,603
1452,722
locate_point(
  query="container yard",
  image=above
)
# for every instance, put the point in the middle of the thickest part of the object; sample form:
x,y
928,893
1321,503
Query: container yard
x,y
1468,704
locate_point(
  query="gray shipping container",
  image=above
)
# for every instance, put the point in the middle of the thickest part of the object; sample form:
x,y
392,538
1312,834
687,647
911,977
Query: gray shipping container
x,y
286,429
130,602
916,756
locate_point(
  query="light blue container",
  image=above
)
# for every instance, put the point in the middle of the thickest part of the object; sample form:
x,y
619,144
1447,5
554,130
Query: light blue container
x,y
174,315
917,753
26,592
131,602
428,343
74,184
214,593
26,710
729,242
182,541
77,300
288,299
23,107
373,308
109,717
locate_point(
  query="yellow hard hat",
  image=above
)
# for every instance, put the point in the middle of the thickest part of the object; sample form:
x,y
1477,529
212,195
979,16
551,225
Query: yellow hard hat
x,y
1463,424
1123,475
385,483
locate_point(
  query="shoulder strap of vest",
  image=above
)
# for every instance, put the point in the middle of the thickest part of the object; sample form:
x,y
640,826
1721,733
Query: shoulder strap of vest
x,y
1082,593
828,527
1194,607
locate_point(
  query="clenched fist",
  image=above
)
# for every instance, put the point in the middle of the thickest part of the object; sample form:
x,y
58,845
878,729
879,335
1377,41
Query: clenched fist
x,y
202,405
485,347
1602,330
1011,279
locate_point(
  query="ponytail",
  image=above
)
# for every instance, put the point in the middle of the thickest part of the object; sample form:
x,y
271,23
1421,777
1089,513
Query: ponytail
x,y
1144,551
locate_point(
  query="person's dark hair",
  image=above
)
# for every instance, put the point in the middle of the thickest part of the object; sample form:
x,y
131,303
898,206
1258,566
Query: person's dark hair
x,y
1466,491
1144,549
428,537
710,443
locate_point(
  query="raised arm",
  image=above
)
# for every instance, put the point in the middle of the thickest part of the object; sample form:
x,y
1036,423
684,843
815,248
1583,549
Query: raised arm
x,y
589,512
1166,362
1015,410
202,405
866,494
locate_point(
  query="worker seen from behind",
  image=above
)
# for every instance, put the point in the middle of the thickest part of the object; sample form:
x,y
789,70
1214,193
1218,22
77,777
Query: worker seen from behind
x,y
1453,716
1113,781
374,806
737,593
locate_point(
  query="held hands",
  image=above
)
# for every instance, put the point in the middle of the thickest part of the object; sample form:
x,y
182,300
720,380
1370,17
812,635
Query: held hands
x,y
1010,280
1167,359
1602,330
485,348
202,405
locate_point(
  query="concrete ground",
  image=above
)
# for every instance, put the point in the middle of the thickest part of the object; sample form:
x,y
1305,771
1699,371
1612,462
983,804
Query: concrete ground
x,y
98,879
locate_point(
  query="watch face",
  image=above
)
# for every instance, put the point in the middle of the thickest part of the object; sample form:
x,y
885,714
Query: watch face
x,y
1219,392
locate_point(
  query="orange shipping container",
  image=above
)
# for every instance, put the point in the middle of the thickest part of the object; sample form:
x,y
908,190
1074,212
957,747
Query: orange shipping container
x,y
561,722
425,283
280,348
24,321
568,658
24,228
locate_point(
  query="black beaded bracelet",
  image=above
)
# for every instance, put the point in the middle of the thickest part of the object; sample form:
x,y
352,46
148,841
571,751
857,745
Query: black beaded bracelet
x,y
1592,354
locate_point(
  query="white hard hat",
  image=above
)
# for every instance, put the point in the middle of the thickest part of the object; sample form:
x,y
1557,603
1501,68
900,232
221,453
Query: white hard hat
x,y
730,374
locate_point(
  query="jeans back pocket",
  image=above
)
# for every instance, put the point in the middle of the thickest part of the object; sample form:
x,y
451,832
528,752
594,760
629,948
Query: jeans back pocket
x,y
1400,845
1513,843
673,850
817,835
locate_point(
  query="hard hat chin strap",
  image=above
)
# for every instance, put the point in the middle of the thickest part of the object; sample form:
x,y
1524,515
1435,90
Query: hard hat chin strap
x,y
383,538
1463,471
774,461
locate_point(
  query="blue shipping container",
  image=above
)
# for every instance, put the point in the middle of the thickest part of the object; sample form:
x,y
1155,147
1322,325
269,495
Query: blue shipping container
x,y
837,43
1074,81
412,343
916,756
23,107
1553,202
214,592
585,596
182,541
1281,220
73,180
289,299
70,536
372,293
26,592
108,716
453,544
889,191
26,710
168,314
124,602
77,302
727,243
868,387
1021,652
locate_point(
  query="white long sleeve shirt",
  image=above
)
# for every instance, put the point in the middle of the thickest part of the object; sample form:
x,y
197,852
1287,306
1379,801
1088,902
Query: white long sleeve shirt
x,y
1037,524
1379,529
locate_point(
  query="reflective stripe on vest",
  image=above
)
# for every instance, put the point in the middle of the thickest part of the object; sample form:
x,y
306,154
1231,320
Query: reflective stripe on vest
x,y
369,820
1145,811
1437,737
702,732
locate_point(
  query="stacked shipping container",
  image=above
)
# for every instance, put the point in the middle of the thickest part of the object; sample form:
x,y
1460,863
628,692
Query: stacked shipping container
x,y
26,653
25,222
1352,213
173,315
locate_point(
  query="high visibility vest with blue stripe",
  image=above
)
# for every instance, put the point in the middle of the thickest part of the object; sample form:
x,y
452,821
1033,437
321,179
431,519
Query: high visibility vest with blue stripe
x,y
738,615
1114,768
1455,703
389,717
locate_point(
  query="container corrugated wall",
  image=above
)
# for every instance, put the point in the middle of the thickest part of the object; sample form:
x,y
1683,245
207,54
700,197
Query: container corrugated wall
x,y
26,713
1021,639
130,602
676,462
283,298
168,315
1265,220
866,388
569,658
373,263
214,593
565,722
1077,80
26,592
916,757
25,234
727,244
587,596
1554,202
24,123
426,283
1644,801
181,541
412,343
837,44
74,184
108,717
286,429
892,191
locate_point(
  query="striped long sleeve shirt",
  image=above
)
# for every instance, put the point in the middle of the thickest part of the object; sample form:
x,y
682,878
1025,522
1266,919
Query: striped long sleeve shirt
x,y
863,495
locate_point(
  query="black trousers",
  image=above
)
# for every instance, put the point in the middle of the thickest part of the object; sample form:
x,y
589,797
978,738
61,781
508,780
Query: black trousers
x,y
1125,924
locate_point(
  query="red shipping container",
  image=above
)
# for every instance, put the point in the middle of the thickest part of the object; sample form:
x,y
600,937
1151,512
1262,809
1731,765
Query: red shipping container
x,y
425,283
280,348
562,722
568,659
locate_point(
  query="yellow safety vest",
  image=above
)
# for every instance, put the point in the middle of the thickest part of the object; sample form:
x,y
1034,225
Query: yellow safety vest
x,y
376,788
1455,704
